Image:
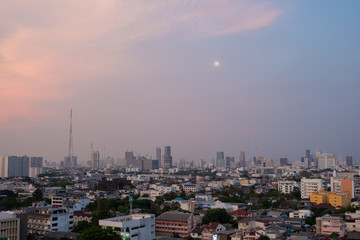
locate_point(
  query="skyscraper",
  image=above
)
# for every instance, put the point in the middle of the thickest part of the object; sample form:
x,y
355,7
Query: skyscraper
x,y
95,159
220,161
167,158
242,159
283,162
229,161
158,156
14,166
349,161
129,157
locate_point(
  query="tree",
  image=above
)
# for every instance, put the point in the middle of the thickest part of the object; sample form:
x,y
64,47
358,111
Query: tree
x,y
37,195
310,220
216,215
264,237
81,226
98,233
334,235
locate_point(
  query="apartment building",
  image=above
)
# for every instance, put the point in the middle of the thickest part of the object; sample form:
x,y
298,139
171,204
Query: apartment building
x,y
335,199
308,186
132,227
327,224
9,226
172,222
51,220
286,186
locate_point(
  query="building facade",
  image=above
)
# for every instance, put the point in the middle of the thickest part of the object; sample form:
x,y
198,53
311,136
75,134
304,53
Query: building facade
x,y
9,226
132,227
327,225
180,223
308,186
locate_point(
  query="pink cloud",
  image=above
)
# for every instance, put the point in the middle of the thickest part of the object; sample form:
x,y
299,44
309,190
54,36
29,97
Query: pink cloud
x,y
46,45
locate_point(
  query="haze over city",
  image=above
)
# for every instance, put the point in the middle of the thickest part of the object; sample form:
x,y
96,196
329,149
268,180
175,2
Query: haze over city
x,y
268,78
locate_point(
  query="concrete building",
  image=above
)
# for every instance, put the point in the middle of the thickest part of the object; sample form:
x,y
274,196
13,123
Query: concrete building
x,y
286,186
9,226
242,160
335,199
167,161
169,223
14,166
95,159
302,213
326,160
326,225
50,220
308,186
220,160
349,161
132,227
158,156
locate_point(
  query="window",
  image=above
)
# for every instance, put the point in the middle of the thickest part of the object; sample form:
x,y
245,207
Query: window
x,y
54,225
54,218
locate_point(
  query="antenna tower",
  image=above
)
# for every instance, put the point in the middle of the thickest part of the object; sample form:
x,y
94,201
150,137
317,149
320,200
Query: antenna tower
x,y
71,146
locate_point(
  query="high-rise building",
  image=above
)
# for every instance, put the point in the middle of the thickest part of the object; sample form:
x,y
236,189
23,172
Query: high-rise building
x,y
349,161
326,160
283,162
307,154
70,164
220,161
129,158
229,161
308,186
158,155
95,159
14,166
242,159
167,161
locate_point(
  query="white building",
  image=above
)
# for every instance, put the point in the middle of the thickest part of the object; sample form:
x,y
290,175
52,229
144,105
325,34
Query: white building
x,y
308,186
286,186
302,213
9,226
326,160
51,220
134,226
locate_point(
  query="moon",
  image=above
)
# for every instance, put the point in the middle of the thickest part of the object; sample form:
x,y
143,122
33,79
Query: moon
x,y
216,63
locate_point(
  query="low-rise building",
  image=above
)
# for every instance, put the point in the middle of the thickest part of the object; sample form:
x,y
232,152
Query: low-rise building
x,y
50,219
335,199
327,224
302,213
9,226
286,187
172,222
134,226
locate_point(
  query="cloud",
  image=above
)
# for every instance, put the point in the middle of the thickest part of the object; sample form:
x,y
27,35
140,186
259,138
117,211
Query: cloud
x,y
47,45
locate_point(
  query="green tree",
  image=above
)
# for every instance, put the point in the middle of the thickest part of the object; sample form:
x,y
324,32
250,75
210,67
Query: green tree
x,y
334,235
37,195
216,215
264,237
310,220
98,233
81,226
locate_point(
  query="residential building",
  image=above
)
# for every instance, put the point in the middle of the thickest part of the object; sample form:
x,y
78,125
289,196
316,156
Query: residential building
x,y
9,226
308,186
302,213
95,159
132,227
14,166
349,161
212,229
242,160
335,199
191,188
286,186
167,161
326,160
327,225
220,161
172,222
44,220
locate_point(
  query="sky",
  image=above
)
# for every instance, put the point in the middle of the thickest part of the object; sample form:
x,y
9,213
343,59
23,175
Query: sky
x,y
140,74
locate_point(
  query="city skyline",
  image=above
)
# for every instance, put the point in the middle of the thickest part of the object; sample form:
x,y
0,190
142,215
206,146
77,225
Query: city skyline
x,y
271,79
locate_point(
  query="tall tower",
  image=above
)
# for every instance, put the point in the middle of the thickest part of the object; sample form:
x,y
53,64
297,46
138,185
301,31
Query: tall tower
x,y
69,159
95,159
167,158
242,159
158,155
220,160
